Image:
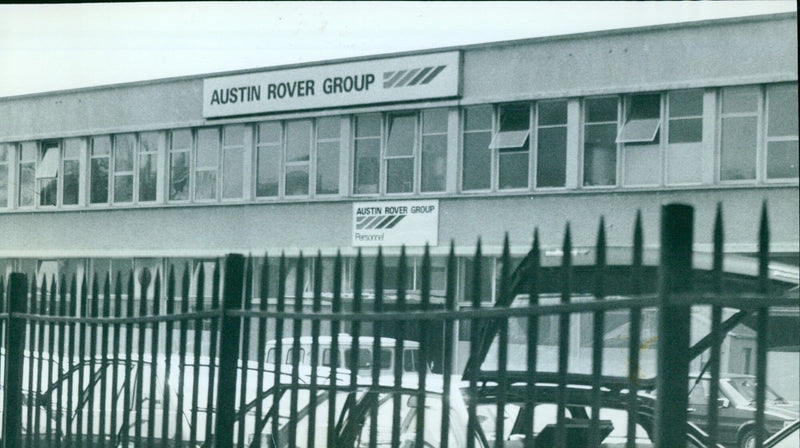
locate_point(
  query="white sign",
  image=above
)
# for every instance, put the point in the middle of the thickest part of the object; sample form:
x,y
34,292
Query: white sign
x,y
396,223
334,85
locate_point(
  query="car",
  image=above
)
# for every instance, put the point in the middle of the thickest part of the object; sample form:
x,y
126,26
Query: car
x,y
788,437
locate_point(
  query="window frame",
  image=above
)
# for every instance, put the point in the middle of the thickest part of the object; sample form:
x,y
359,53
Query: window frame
x,y
284,177
666,127
82,179
109,169
8,150
658,140
317,140
767,139
498,151
133,172
140,151
534,142
432,134
759,135
43,149
463,131
188,152
414,156
582,144
196,169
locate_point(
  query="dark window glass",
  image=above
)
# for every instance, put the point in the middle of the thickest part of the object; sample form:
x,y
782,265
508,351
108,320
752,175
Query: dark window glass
x,y
269,157
4,150
400,175
782,159
551,157
298,141
367,154
600,155
552,113
686,130
738,148
686,103
297,180
434,162
601,109
101,149
328,167
513,169
514,117
71,181
477,157
179,176
782,110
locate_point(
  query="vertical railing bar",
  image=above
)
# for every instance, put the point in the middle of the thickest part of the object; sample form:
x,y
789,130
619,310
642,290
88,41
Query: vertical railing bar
x,y
170,310
277,385
297,332
182,342
245,345
230,327
15,352
81,311
104,383
502,345
334,358
533,341
355,358
93,340
449,343
674,326
142,340
425,300
262,343
762,329
316,307
598,330
376,347
563,340
126,401
115,348
3,336
716,336
398,346
214,339
634,336
154,336
197,328
51,333
474,330
62,346
35,388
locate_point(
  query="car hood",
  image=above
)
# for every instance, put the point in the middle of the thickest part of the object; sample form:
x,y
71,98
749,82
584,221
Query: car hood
x,y
789,412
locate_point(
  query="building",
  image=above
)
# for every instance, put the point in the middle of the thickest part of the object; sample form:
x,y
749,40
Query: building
x,y
431,146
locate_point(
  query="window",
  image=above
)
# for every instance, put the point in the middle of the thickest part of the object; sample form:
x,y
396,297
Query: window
x,y
124,155
511,144
5,156
100,161
206,164
399,154
599,142
268,155
232,161
328,148
739,133
477,164
74,148
180,150
47,173
685,140
148,166
298,157
27,174
367,154
551,144
782,141
434,150
640,138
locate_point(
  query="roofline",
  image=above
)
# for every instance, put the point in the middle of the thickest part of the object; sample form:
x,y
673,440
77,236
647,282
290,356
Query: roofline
x,y
468,47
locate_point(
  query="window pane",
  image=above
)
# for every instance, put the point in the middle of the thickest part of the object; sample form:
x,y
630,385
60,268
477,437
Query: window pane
x,y
298,141
739,99
123,153
269,132
3,186
686,130
477,161
233,135
401,136
4,150
268,169
27,184
368,125
434,121
601,109
179,176
123,188
48,188
207,148
99,180
367,165
181,139
206,185
478,118
328,127
297,180
72,148
551,113
639,130
513,170
686,103
148,142
600,155
328,167
642,164
738,148
148,177
400,175
515,117
48,165
782,159
434,162
71,181
551,157
513,140
644,106
232,173
684,163
101,145
782,110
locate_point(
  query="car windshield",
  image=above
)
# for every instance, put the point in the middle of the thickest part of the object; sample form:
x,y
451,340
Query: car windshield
x,y
746,387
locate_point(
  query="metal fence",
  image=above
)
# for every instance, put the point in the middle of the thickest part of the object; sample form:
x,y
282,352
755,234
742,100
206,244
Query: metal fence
x,y
85,364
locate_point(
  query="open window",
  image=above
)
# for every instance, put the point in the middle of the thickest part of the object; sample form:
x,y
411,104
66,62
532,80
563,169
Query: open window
x,y
47,173
643,121
511,144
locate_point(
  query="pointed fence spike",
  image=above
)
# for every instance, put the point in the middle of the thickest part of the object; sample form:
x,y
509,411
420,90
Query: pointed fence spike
x,y
763,250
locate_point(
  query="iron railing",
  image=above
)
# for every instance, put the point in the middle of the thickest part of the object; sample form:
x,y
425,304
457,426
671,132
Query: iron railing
x,y
83,367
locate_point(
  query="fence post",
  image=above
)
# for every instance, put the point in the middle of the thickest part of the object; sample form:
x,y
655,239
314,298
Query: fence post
x,y
675,276
15,339
228,350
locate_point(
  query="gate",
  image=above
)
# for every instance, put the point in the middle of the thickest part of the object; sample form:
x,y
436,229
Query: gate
x,y
90,362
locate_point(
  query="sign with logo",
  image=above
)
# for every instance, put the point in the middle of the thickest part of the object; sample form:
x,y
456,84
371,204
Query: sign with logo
x,y
334,85
395,223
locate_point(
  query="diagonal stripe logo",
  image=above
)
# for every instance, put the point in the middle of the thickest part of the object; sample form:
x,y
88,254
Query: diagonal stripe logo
x,y
411,77
377,222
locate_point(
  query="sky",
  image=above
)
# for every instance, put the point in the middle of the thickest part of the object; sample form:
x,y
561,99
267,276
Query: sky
x,y
54,47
